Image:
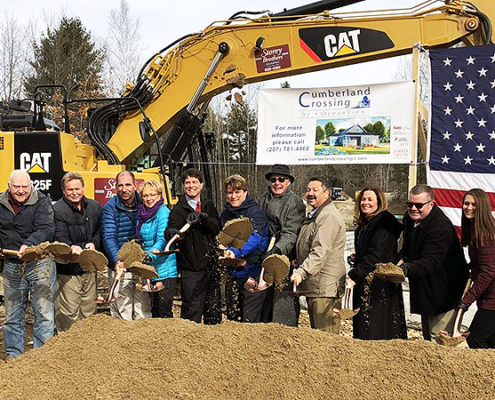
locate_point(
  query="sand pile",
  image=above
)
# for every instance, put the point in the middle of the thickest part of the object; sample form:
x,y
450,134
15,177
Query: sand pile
x,y
104,358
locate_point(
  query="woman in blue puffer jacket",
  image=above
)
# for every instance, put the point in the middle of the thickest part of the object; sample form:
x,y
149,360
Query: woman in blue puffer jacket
x,y
152,220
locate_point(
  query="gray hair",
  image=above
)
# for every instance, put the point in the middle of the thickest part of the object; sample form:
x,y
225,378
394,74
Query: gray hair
x,y
422,188
18,172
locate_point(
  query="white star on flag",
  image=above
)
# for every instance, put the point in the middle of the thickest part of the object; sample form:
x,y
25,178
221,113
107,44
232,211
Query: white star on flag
x,y
482,71
482,97
481,147
447,61
447,110
447,135
468,160
458,123
469,136
447,86
445,159
470,85
458,98
469,110
481,123
457,147
459,73
491,160
470,60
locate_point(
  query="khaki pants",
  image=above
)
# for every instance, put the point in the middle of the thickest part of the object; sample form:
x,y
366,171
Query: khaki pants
x,y
432,324
320,313
130,303
75,299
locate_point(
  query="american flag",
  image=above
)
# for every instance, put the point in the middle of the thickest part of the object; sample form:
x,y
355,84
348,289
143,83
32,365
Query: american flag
x,y
462,140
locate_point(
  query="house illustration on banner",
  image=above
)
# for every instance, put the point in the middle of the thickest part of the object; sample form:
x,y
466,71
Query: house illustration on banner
x,y
355,136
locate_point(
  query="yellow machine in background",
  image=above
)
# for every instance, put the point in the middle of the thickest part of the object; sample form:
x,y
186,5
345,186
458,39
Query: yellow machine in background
x,y
176,85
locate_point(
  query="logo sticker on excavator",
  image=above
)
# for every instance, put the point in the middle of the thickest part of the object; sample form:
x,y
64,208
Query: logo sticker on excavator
x,y
324,44
272,58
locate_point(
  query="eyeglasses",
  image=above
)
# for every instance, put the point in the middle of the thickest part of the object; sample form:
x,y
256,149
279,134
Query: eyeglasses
x,y
419,206
281,179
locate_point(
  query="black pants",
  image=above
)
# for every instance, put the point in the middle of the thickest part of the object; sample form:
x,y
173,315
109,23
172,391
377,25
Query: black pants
x,y
482,330
242,305
163,300
201,297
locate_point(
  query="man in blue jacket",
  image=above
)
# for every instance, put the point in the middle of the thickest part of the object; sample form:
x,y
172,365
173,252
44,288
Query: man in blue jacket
x,y
118,225
243,305
26,219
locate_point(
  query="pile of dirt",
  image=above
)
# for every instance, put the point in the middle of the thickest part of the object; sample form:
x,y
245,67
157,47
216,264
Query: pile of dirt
x,y
105,358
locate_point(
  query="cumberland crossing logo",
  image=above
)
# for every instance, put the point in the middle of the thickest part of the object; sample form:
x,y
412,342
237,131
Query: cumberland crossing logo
x,y
327,43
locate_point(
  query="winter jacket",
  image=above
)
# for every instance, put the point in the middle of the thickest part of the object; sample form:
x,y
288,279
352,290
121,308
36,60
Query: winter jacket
x,y
381,315
482,266
153,234
77,228
32,225
285,214
198,246
320,252
434,262
256,244
118,225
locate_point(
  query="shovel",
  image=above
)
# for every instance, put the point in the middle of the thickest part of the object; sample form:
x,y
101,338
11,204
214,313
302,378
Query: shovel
x,y
110,298
251,285
346,312
451,335
25,257
167,251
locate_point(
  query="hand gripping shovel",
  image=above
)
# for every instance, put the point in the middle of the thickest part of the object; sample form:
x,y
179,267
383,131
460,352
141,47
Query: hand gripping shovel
x,y
27,256
167,251
110,298
451,336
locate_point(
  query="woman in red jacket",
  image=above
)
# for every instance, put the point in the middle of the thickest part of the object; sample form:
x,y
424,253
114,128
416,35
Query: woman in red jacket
x,y
478,233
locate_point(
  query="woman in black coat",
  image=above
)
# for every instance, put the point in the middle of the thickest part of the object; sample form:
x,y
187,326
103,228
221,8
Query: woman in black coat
x,y
381,305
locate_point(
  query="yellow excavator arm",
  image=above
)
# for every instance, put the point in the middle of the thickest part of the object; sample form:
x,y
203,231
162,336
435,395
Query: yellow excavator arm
x,y
231,53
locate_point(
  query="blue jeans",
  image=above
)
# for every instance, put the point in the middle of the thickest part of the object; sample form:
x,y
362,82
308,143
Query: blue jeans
x,y
39,279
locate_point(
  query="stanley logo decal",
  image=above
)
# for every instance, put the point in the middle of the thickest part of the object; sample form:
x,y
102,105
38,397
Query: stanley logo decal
x,y
324,44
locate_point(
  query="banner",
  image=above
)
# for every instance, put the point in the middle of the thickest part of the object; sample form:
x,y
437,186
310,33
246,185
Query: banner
x,y
370,124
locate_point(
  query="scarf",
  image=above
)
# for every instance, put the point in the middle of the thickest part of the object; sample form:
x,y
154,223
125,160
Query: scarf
x,y
145,214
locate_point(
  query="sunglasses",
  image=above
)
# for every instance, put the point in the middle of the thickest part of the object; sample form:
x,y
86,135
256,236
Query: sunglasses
x,y
419,206
281,179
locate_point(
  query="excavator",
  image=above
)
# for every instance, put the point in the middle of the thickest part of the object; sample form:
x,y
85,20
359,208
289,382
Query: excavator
x,y
175,86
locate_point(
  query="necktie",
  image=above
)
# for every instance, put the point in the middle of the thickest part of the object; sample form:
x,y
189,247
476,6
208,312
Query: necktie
x,y
198,207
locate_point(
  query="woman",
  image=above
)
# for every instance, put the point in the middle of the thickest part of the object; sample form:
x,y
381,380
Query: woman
x,y
478,233
152,222
381,305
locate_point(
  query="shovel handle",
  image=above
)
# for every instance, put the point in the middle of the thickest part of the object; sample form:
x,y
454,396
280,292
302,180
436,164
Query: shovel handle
x,y
114,284
9,252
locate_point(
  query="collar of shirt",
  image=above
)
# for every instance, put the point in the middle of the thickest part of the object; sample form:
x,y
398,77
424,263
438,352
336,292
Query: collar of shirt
x,y
192,203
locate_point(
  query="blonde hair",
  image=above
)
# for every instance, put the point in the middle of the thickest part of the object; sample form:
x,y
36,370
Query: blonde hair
x,y
153,185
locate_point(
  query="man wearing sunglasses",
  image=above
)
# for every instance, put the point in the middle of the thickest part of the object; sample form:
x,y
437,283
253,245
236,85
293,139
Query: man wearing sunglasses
x,y
285,213
433,261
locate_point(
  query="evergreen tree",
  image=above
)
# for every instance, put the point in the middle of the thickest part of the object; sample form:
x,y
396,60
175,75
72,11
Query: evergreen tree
x,y
68,56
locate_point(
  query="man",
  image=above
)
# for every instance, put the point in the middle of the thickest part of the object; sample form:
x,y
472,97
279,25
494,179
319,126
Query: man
x,y
244,305
26,219
285,213
77,225
434,261
118,225
200,274
320,257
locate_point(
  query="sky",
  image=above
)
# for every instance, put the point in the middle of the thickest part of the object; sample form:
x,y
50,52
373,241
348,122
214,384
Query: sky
x,y
163,21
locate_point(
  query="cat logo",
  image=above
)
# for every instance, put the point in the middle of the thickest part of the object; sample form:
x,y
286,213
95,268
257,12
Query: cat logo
x,y
342,44
38,163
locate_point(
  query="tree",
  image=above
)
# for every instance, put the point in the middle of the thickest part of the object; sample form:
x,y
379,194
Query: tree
x,y
379,129
123,49
67,56
320,134
329,130
12,58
